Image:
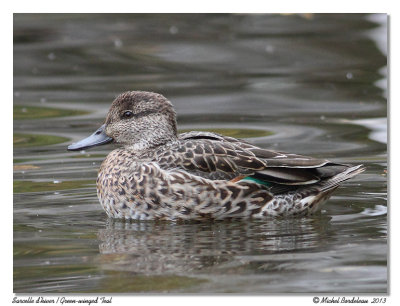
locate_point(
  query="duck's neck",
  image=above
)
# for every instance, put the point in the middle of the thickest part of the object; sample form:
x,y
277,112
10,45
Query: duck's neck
x,y
151,142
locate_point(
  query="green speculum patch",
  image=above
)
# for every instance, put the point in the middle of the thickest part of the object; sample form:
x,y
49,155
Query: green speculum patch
x,y
35,112
237,133
35,140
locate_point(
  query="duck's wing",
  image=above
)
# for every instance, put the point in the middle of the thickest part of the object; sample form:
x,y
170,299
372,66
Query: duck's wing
x,y
219,157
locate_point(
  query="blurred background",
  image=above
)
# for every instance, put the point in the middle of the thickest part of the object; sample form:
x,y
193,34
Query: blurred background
x,y
312,84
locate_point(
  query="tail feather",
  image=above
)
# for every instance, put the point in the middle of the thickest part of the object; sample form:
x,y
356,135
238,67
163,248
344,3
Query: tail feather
x,y
336,180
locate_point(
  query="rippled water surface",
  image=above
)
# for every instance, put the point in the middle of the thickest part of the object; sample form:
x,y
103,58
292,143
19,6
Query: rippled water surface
x,y
307,84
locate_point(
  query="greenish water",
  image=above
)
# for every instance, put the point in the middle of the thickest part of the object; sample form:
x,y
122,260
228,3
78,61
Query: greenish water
x,y
35,140
35,112
307,84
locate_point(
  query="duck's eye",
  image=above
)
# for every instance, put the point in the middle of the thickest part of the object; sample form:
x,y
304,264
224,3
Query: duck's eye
x,y
127,115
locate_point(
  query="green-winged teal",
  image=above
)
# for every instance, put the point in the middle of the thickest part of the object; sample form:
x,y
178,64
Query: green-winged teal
x,y
158,174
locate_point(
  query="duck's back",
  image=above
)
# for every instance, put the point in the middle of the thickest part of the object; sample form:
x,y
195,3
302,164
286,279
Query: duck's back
x,y
216,157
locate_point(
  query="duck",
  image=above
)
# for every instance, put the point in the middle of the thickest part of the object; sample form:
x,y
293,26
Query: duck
x,y
158,174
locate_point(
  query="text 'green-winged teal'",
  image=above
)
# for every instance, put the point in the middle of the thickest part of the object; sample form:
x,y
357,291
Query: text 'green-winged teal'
x,y
160,174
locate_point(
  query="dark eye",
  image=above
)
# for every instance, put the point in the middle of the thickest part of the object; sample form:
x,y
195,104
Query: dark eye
x,y
127,115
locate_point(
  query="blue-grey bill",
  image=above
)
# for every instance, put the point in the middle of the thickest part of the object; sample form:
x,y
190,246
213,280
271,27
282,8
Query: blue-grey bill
x,y
98,138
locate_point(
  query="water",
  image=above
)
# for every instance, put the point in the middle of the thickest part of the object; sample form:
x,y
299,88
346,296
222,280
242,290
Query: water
x,y
307,84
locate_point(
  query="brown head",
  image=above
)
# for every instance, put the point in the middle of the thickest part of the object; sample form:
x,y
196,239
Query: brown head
x,y
136,119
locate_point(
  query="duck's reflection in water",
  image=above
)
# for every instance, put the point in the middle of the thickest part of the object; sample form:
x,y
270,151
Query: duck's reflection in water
x,y
165,247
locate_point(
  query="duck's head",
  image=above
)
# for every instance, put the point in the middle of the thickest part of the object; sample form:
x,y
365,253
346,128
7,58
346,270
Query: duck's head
x,y
136,119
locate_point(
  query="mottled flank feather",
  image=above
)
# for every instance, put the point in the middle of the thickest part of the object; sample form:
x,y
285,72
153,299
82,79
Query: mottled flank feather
x,y
158,174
